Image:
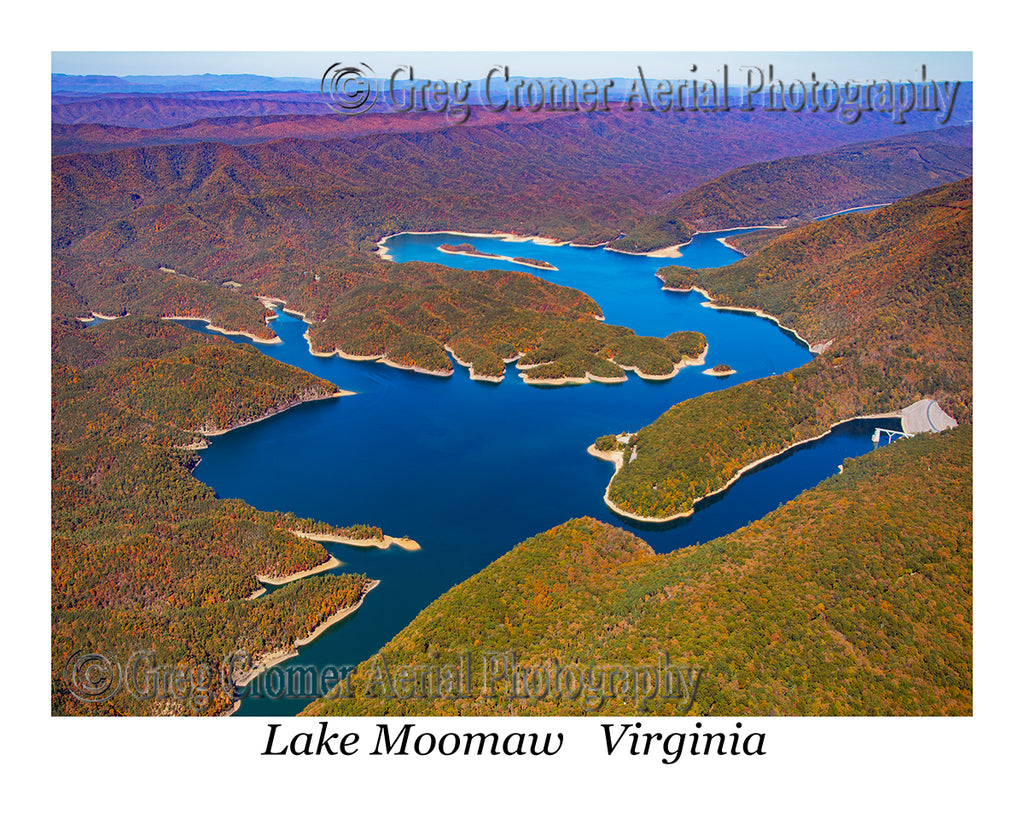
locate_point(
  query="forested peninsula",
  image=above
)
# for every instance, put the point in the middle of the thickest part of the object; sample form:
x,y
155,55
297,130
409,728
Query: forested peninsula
x,y
885,295
144,556
854,598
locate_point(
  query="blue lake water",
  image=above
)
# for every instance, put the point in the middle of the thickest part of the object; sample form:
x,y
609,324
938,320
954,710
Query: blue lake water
x,y
469,469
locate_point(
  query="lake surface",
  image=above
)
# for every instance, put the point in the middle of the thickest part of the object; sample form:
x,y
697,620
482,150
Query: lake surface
x,y
469,469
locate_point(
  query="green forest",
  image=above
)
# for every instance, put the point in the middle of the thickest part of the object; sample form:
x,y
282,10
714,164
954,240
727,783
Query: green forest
x,y
888,293
143,556
486,318
853,598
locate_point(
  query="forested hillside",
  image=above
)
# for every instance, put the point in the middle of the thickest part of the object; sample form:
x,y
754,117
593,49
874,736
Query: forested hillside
x,y
800,188
854,598
889,296
320,123
144,556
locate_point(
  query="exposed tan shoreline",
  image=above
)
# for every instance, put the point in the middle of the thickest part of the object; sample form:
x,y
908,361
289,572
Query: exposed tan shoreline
x,y
569,379
667,252
234,707
718,373
335,351
348,356
853,210
633,516
340,615
815,348
224,330
616,457
590,377
387,362
268,661
215,328
497,258
406,543
332,563
504,237
575,380
494,379
733,247
212,432
676,369
757,312
675,251
725,240
670,252
380,359
275,303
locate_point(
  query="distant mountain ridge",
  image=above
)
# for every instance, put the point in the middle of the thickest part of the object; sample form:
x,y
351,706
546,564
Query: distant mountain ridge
x,y
800,188
149,101
165,110
88,137
151,83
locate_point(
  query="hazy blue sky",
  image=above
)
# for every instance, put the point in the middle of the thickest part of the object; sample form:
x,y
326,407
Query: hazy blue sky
x,y
952,65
